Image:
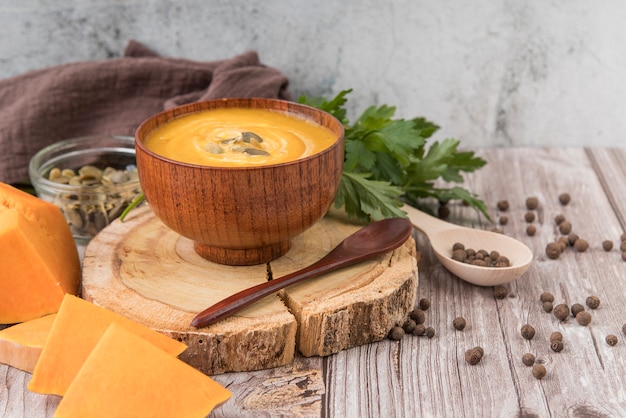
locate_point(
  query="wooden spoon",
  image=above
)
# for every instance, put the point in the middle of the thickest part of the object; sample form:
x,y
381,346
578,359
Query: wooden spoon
x,y
372,240
442,235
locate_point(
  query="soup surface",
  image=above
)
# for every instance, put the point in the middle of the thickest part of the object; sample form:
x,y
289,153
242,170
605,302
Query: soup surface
x,y
239,136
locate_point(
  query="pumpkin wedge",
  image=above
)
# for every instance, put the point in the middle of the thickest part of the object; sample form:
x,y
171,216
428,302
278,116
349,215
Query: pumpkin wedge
x,y
39,261
21,344
75,332
126,376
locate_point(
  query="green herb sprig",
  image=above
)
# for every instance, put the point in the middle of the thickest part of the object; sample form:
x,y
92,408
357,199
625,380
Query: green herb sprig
x,y
387,162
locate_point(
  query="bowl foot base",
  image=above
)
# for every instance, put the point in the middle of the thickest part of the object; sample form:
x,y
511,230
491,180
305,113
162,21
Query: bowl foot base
x,y
242,257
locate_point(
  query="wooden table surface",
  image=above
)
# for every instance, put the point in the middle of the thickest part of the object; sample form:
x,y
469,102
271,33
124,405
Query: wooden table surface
x,y
418,376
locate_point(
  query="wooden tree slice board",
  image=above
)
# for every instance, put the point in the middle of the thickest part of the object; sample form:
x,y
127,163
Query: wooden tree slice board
x,y
143,270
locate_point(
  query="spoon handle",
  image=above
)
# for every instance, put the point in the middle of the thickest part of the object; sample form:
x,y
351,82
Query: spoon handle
x,y
426,223
226,307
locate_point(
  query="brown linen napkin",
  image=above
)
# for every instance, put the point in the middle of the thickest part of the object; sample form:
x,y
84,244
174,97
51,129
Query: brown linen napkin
x,y
114,96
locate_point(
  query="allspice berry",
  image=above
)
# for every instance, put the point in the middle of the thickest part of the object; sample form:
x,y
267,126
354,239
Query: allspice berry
x,y
532,203
581,245
529,216
500,292
561,311
539,371
546,297
528,331
528,359
547,306
409,326
459,323
583,318
575,308
419,330
531,230
430,332
553,250
556,336
556,346
424,304
607,245
611,339
396,333
564,198
503,220
565,227
418,316
592,302
559,218
473,355
503,205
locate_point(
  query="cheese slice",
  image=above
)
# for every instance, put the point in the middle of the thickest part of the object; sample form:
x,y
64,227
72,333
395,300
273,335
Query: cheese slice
x,y
126,376
21,344
39,262
78,327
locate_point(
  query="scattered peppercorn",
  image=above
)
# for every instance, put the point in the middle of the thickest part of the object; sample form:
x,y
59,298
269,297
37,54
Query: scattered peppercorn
x,y
532,203
419,330
611,339
556,346
547,306
546,297
424,304
562,243
409,325
500,292
396,333
528,331
556,336
559,218
473,356
561,311
564,198
583,318
581,245
504,220
571,238
607,245
459,323
480,350
443,212
418,316
531,230
528,359
539,371
553,251
565,227
529,216
575,308
430,332
503,205
480,258
593,302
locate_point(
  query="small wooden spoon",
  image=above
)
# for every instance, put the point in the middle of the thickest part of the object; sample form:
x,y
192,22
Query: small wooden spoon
x,y
442,235
372,240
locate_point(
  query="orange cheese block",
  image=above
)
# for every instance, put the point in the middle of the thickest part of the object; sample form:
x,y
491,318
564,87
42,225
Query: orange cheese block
x,y
75,332
39,261
126,376
21,344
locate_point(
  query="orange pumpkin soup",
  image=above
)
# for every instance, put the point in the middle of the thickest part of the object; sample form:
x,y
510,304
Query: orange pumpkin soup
x,y
239,137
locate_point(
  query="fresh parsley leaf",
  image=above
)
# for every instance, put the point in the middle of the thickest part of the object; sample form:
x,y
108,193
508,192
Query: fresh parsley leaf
x,y
387,162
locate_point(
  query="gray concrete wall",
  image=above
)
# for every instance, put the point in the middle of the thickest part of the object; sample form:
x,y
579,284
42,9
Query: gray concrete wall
x,y
491,73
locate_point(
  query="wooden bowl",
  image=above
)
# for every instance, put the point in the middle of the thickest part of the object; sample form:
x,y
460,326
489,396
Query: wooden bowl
x,y
241,215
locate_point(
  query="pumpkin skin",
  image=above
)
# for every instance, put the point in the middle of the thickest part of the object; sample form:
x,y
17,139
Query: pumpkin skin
x,y
39,261
126,376
78,327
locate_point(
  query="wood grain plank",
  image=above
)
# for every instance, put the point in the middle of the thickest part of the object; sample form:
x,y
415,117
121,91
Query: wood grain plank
x,y
586,378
